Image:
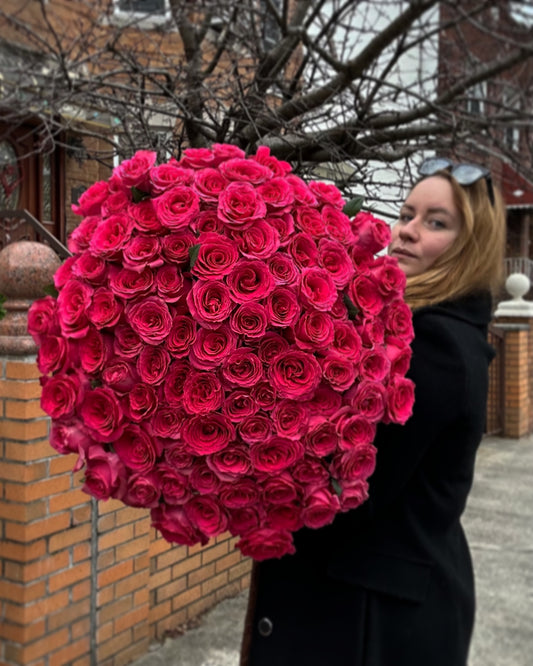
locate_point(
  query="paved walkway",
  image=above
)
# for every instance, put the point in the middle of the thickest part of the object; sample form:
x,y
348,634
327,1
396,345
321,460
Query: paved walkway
x,y
499,524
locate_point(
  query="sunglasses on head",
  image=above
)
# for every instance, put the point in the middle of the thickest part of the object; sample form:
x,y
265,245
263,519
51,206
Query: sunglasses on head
x,y
464,174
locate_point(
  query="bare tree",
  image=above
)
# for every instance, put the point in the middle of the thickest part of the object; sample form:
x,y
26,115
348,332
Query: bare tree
x,y
339,84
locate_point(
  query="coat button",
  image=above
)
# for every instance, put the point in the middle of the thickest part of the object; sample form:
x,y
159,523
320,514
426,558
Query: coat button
x,y
265,626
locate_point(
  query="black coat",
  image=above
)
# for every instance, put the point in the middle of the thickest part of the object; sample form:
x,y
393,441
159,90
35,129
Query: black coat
x,y
391,583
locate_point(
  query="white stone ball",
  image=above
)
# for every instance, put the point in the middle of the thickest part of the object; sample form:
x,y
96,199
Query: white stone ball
x,y
517,284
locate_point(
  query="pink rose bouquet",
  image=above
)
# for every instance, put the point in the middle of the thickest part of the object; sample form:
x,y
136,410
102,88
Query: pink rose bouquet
x,y
223,345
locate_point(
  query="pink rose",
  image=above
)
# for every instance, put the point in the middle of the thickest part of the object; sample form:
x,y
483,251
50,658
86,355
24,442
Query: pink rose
x,y
61,395
209,183
79,239
310,221
239,205
277,194
152,364
277,167
259,241
250,280
400,399
320,508
337,225
166,176
280,489
275,454
238,405
169,283
212,346
242,368
314,330
356,431
72,304
284,517
208,221
295,374
126,342
270,346
175,246
90,268
399,354
389,276
353,494
150,319
239,493
42,318
142,251
179,457
284,225
373,234
231,463
346,341
310,471
144,217
111,236
226,151
368,400
104,310
264,396
399,320
143,490
203,480
283,269
141,402
302,192
198,158
102,414
303,250
130,284
207,515
338,371
177,207
372,332
202,393
181,336
355,465
174,485
116,202
317,288
207,433
333,257
255,428
322,440
94,351
120,375
175,378
327,193
242,169
91,200
105,475
217,256
243,520
135,172
65,272
290,419
70,437
249,320
266,543
175,527
167,422
325,401
374,364
364,292
52,354
282,307
210,302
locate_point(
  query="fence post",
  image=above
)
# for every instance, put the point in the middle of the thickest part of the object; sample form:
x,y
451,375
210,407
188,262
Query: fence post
x,y
515,317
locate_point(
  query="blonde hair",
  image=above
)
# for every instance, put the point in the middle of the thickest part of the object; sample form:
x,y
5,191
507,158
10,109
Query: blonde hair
x,y
475,260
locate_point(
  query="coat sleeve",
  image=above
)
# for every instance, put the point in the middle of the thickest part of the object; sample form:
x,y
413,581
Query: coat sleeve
x,y
440,374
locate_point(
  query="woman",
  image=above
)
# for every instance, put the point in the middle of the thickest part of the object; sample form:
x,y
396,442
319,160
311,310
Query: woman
x,y
391,583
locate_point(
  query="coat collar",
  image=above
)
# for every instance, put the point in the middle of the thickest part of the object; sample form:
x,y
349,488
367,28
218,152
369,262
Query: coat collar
x,y
474,308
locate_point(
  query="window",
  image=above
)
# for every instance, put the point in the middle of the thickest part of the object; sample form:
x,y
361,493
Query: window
x,y
475,101
271,30
146,13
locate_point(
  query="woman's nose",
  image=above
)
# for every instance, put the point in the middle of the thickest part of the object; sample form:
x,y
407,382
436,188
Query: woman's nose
x,y
410,230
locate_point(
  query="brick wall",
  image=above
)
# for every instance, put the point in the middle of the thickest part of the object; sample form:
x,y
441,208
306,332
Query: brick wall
x,y
82,582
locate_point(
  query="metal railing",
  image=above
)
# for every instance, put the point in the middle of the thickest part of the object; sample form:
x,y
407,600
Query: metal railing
x,y
13,221
522,265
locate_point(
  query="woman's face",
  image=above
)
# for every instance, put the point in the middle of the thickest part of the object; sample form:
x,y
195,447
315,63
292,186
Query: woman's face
x,y
428,225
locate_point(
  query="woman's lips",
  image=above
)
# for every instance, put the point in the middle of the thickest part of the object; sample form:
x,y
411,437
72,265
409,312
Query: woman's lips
x,y
398,251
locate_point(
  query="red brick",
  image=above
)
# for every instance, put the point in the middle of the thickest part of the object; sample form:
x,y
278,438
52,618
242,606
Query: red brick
x,y
22,370
69,537
114,573
29,532
67,578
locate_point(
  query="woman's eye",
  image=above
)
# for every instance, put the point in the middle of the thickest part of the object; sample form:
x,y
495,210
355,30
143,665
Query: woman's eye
x,y
437,224
405,217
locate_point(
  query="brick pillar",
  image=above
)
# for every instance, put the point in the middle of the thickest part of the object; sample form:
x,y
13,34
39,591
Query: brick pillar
x,y
515,318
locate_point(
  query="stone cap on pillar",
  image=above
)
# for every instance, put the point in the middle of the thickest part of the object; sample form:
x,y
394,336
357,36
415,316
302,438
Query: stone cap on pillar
x,y
517,285
26,268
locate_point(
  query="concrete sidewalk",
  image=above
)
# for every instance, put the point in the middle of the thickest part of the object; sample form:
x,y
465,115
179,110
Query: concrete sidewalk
x,y
499,526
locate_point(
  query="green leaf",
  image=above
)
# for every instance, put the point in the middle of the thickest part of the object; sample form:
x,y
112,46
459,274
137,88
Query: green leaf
x,y
352,309
352,207
138,195
2,310
336,487
50,290
193,254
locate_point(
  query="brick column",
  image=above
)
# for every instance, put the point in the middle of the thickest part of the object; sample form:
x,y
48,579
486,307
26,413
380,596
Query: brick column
x,y
515,318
